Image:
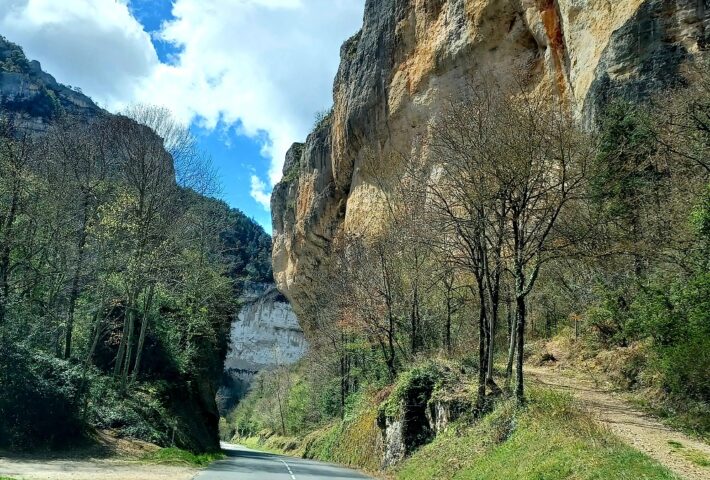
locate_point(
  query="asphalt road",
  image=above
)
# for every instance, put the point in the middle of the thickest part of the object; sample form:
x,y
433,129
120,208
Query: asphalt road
x,y
244,464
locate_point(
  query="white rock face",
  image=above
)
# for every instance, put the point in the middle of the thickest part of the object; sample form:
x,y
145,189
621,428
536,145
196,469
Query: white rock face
x,y
265,334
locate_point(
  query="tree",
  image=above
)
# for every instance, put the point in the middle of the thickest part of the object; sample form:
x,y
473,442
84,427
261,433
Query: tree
x,y
145,212
506,163
15,162
80,164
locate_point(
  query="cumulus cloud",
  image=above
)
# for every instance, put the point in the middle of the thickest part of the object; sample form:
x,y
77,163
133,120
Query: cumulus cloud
x,y
96,45
266,65
259,192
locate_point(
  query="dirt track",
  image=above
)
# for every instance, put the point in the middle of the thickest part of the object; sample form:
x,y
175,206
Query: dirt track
x,y
36,469
669,447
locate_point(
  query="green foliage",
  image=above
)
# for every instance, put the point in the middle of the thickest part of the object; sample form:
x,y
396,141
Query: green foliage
x,y
413,386
130,279
12,58
176,456
354,441
677,317
247,249
322,118
40,398
622,167
700,220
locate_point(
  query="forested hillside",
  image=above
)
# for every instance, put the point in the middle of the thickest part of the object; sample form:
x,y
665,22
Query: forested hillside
x,y
118,272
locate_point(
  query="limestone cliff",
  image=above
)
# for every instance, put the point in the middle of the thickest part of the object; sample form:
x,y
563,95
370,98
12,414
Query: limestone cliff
x,y
411,55
33,96
264,335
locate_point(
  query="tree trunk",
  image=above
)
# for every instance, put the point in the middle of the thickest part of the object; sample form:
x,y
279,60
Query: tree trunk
x,y
414,320
278,399
391,351
144,328
121,347
129,342
482,350
75,290
343,381
520,310
493,322
512,347
5,255
448,323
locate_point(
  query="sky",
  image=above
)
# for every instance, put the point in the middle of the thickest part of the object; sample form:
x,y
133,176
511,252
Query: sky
x,y
248,76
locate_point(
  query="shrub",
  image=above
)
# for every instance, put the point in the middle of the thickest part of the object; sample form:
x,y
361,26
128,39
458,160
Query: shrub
x,y
40,398
677,318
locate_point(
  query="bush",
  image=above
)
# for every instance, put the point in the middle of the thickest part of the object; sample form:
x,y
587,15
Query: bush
x,y
40,399
677,318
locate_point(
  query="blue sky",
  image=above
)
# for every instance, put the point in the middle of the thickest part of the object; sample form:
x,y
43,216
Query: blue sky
x,y
237,157
248,76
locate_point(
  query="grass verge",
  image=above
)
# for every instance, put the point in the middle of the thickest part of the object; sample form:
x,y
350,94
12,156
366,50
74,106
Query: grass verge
x,y
549,438
176,456
695,456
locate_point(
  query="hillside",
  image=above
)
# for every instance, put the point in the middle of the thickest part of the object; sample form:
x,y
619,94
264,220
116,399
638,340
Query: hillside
x,y
118,279
34,96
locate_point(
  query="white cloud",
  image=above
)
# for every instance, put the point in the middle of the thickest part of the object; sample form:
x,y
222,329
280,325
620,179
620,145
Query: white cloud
x,y
268,64
259,192
96,45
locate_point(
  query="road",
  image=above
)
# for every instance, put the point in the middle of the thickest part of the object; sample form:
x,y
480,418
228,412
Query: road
x,y
244,464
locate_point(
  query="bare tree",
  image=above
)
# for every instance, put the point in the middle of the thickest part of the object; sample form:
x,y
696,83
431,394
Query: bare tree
x,y
546,157
505,164
193,169
15,159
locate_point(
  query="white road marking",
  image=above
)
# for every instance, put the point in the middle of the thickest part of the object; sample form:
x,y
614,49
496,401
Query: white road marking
x,y
293,477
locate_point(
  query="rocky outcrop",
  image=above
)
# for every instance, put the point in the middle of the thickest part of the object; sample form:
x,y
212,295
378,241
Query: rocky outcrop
x,y
265,334
411,55
33,96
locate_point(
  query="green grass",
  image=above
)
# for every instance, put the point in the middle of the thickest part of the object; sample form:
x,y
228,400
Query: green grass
x,y
695,456
548,439
255,444
698,458
176,456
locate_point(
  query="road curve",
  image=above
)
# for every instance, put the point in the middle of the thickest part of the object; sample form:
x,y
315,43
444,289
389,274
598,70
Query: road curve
x,y
245,464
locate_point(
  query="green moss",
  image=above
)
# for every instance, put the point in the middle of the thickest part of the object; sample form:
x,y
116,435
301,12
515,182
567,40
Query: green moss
x,y
354,442
415,385
176,456
550,438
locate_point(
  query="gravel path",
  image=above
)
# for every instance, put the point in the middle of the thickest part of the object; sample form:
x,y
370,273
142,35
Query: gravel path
x,y
671,448
38,469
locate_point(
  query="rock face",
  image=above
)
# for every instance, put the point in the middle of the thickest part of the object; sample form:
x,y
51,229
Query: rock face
x,y
411,55
34,97
265,334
